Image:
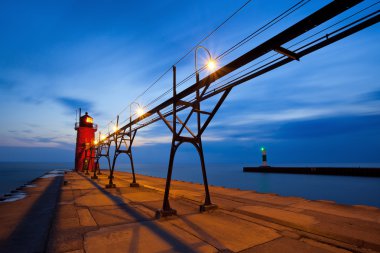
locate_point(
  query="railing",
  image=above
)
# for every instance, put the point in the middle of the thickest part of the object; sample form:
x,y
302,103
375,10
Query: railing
x,y
77,125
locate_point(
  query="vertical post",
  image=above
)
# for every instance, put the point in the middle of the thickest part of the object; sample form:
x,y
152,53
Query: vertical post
x,y
95,169
99,153
97,156
198,106
198,140
166,209
175,101
111,184
133,184
207,202
129,153
96,165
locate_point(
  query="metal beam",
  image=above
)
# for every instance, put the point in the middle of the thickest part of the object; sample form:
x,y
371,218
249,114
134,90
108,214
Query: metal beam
x,y
320,16
287,53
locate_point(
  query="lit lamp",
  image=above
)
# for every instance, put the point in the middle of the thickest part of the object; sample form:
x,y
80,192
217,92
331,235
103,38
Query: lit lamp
x,y
115,128
89,120
211,63
139,111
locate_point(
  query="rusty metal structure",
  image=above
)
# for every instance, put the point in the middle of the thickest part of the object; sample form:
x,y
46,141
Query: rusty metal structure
x,y
123,140
102,150
189,101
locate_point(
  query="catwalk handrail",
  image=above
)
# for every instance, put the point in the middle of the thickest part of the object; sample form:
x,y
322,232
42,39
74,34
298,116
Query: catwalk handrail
x,y
322,15
277,64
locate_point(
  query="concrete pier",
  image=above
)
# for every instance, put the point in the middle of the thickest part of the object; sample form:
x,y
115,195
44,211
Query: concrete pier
x,y
90,218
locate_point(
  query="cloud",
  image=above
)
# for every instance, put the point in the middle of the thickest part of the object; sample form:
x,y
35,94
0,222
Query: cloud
x,y
298,113
147,141
33,100
72,104
317,128
35,138
371,96
25,131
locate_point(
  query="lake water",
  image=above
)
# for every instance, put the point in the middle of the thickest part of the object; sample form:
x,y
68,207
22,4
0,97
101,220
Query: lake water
x,y
15,174
341,189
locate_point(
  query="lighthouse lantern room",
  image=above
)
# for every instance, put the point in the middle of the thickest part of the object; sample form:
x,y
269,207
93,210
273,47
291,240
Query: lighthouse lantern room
x,y
84,154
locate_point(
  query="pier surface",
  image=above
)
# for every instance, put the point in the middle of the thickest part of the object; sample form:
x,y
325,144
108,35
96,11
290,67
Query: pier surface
x,y
89,218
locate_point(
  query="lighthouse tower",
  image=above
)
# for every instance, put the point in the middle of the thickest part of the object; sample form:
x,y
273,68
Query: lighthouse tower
x,y
85,138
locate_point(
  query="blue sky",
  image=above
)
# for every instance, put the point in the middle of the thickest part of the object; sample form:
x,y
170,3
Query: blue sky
x,y
100,55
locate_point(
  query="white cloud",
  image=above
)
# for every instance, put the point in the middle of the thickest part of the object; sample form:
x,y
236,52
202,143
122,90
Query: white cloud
x,y
299,114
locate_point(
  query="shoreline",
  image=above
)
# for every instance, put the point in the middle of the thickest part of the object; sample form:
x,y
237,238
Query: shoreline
x,y
20,191
16,174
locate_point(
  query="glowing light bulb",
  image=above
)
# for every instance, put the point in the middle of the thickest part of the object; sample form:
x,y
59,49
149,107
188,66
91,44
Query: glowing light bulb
x,y
115,128
95,142
262,149
140,111
211,65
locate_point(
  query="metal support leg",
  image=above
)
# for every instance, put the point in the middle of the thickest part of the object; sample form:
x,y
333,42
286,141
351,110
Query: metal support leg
x,y
96,168
115,136
196,140
133,184
166,209
132,135
207,204
110,183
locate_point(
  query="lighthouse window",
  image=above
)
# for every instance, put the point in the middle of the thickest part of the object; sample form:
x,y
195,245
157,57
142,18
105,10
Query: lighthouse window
x,y
89,120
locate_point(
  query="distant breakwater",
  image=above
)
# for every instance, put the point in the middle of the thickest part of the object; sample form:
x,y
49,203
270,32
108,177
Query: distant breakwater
x,y
332,171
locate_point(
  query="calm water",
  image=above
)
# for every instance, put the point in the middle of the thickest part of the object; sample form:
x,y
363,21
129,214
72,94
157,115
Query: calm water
x,y
344,190
13,175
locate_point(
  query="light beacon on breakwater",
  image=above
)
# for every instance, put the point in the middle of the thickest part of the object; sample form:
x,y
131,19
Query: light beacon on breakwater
x,y
84,156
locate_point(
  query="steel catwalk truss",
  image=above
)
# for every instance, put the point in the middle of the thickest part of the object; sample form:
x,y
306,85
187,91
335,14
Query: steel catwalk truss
x,y
102,150
121,137
201,91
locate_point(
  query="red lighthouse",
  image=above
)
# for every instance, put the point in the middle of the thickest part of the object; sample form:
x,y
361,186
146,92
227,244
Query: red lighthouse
x,y
85,139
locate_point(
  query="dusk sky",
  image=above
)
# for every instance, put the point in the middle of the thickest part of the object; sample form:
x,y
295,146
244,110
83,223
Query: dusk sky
x,y
56,56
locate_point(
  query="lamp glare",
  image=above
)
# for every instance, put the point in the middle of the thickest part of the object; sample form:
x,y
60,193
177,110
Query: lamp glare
x,y
211,65
140,111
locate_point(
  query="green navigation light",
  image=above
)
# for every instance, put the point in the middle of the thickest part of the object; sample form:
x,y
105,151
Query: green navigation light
x,y
262,149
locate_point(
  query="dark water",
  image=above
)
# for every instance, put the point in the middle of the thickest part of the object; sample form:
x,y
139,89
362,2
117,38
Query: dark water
x,y
341,189
13,175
